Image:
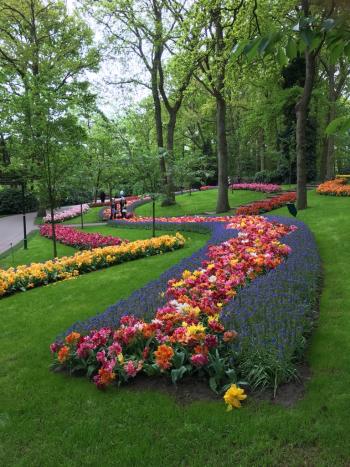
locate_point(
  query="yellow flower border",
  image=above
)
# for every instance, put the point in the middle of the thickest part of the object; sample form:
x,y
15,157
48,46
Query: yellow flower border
x,y
26,277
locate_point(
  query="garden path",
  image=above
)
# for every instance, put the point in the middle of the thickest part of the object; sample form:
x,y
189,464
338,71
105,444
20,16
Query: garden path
x,y
11,229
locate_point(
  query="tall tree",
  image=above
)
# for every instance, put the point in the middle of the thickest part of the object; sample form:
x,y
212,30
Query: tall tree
x,y
336,75
46,51
149,31
217,20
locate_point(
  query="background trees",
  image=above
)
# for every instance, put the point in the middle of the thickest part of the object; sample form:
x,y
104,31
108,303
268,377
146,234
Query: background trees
x,y
221,89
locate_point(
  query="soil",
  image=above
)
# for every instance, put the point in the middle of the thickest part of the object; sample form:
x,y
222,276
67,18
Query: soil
x,y
290,393
193,390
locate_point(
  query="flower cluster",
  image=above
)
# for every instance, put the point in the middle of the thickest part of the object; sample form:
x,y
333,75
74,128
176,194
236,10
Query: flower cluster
x,y
182,219
61,216
68,267
207,187
186,335
266,205
77,239
337,187
263,187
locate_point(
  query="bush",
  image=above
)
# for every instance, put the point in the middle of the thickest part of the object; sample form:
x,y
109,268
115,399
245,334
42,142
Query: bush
x,y
11,201
264,176
280,175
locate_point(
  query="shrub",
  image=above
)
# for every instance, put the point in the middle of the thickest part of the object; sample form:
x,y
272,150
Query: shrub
x,y
11,201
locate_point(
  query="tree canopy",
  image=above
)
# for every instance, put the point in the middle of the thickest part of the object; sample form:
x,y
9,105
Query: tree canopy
x,y
218,90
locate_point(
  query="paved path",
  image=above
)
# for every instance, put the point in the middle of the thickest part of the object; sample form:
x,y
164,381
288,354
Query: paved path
x,y
11,229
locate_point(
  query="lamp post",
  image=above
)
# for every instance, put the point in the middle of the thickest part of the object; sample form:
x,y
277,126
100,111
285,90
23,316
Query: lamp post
x,y
25,241
153,215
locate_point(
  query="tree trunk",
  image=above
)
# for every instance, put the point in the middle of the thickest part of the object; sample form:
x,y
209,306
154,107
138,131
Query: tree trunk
x,y
4,150
222,201
261,149
332,98
327,154
302,111
169,189
159,124
222,204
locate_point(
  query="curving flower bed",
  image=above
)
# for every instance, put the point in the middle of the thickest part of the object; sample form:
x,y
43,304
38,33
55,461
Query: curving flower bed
x,y
77,239
266,205
179,219
337,187
187,336
263,187
27,277
67,213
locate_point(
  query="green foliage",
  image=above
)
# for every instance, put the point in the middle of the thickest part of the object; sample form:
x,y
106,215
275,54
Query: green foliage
x,y
266,370
339,125
11,201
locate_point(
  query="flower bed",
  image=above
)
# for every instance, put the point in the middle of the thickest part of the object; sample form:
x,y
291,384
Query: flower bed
x,y
186,335
180,219
266,205
37,274
77,239
67,213
207,187
263,187
337,187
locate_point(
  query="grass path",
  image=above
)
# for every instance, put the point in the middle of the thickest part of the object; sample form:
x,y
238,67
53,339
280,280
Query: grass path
x,y
51,419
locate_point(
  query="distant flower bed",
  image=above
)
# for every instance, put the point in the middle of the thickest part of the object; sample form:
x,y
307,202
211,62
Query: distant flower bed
x,y
77,239
37,274
207,187
129,199
266,205
337,187
181,219
67,213
263,187
186,335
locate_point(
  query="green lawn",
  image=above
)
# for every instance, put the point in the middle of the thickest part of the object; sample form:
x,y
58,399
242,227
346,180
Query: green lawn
x,y
40,248
90,216
51,419
199,202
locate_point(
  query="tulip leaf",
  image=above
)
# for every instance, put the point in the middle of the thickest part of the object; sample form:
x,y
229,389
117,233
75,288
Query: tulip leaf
x,y
213,384
177,374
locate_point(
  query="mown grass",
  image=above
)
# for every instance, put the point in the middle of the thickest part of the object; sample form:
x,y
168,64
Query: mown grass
x,y
51,419
198,203
41,249
90,216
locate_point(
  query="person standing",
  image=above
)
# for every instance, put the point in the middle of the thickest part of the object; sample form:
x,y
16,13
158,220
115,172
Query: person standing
x,y
112,214
122,205
102,197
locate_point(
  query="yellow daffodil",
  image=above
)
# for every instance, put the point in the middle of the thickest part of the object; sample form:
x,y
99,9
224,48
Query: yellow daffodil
x,y
233,397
